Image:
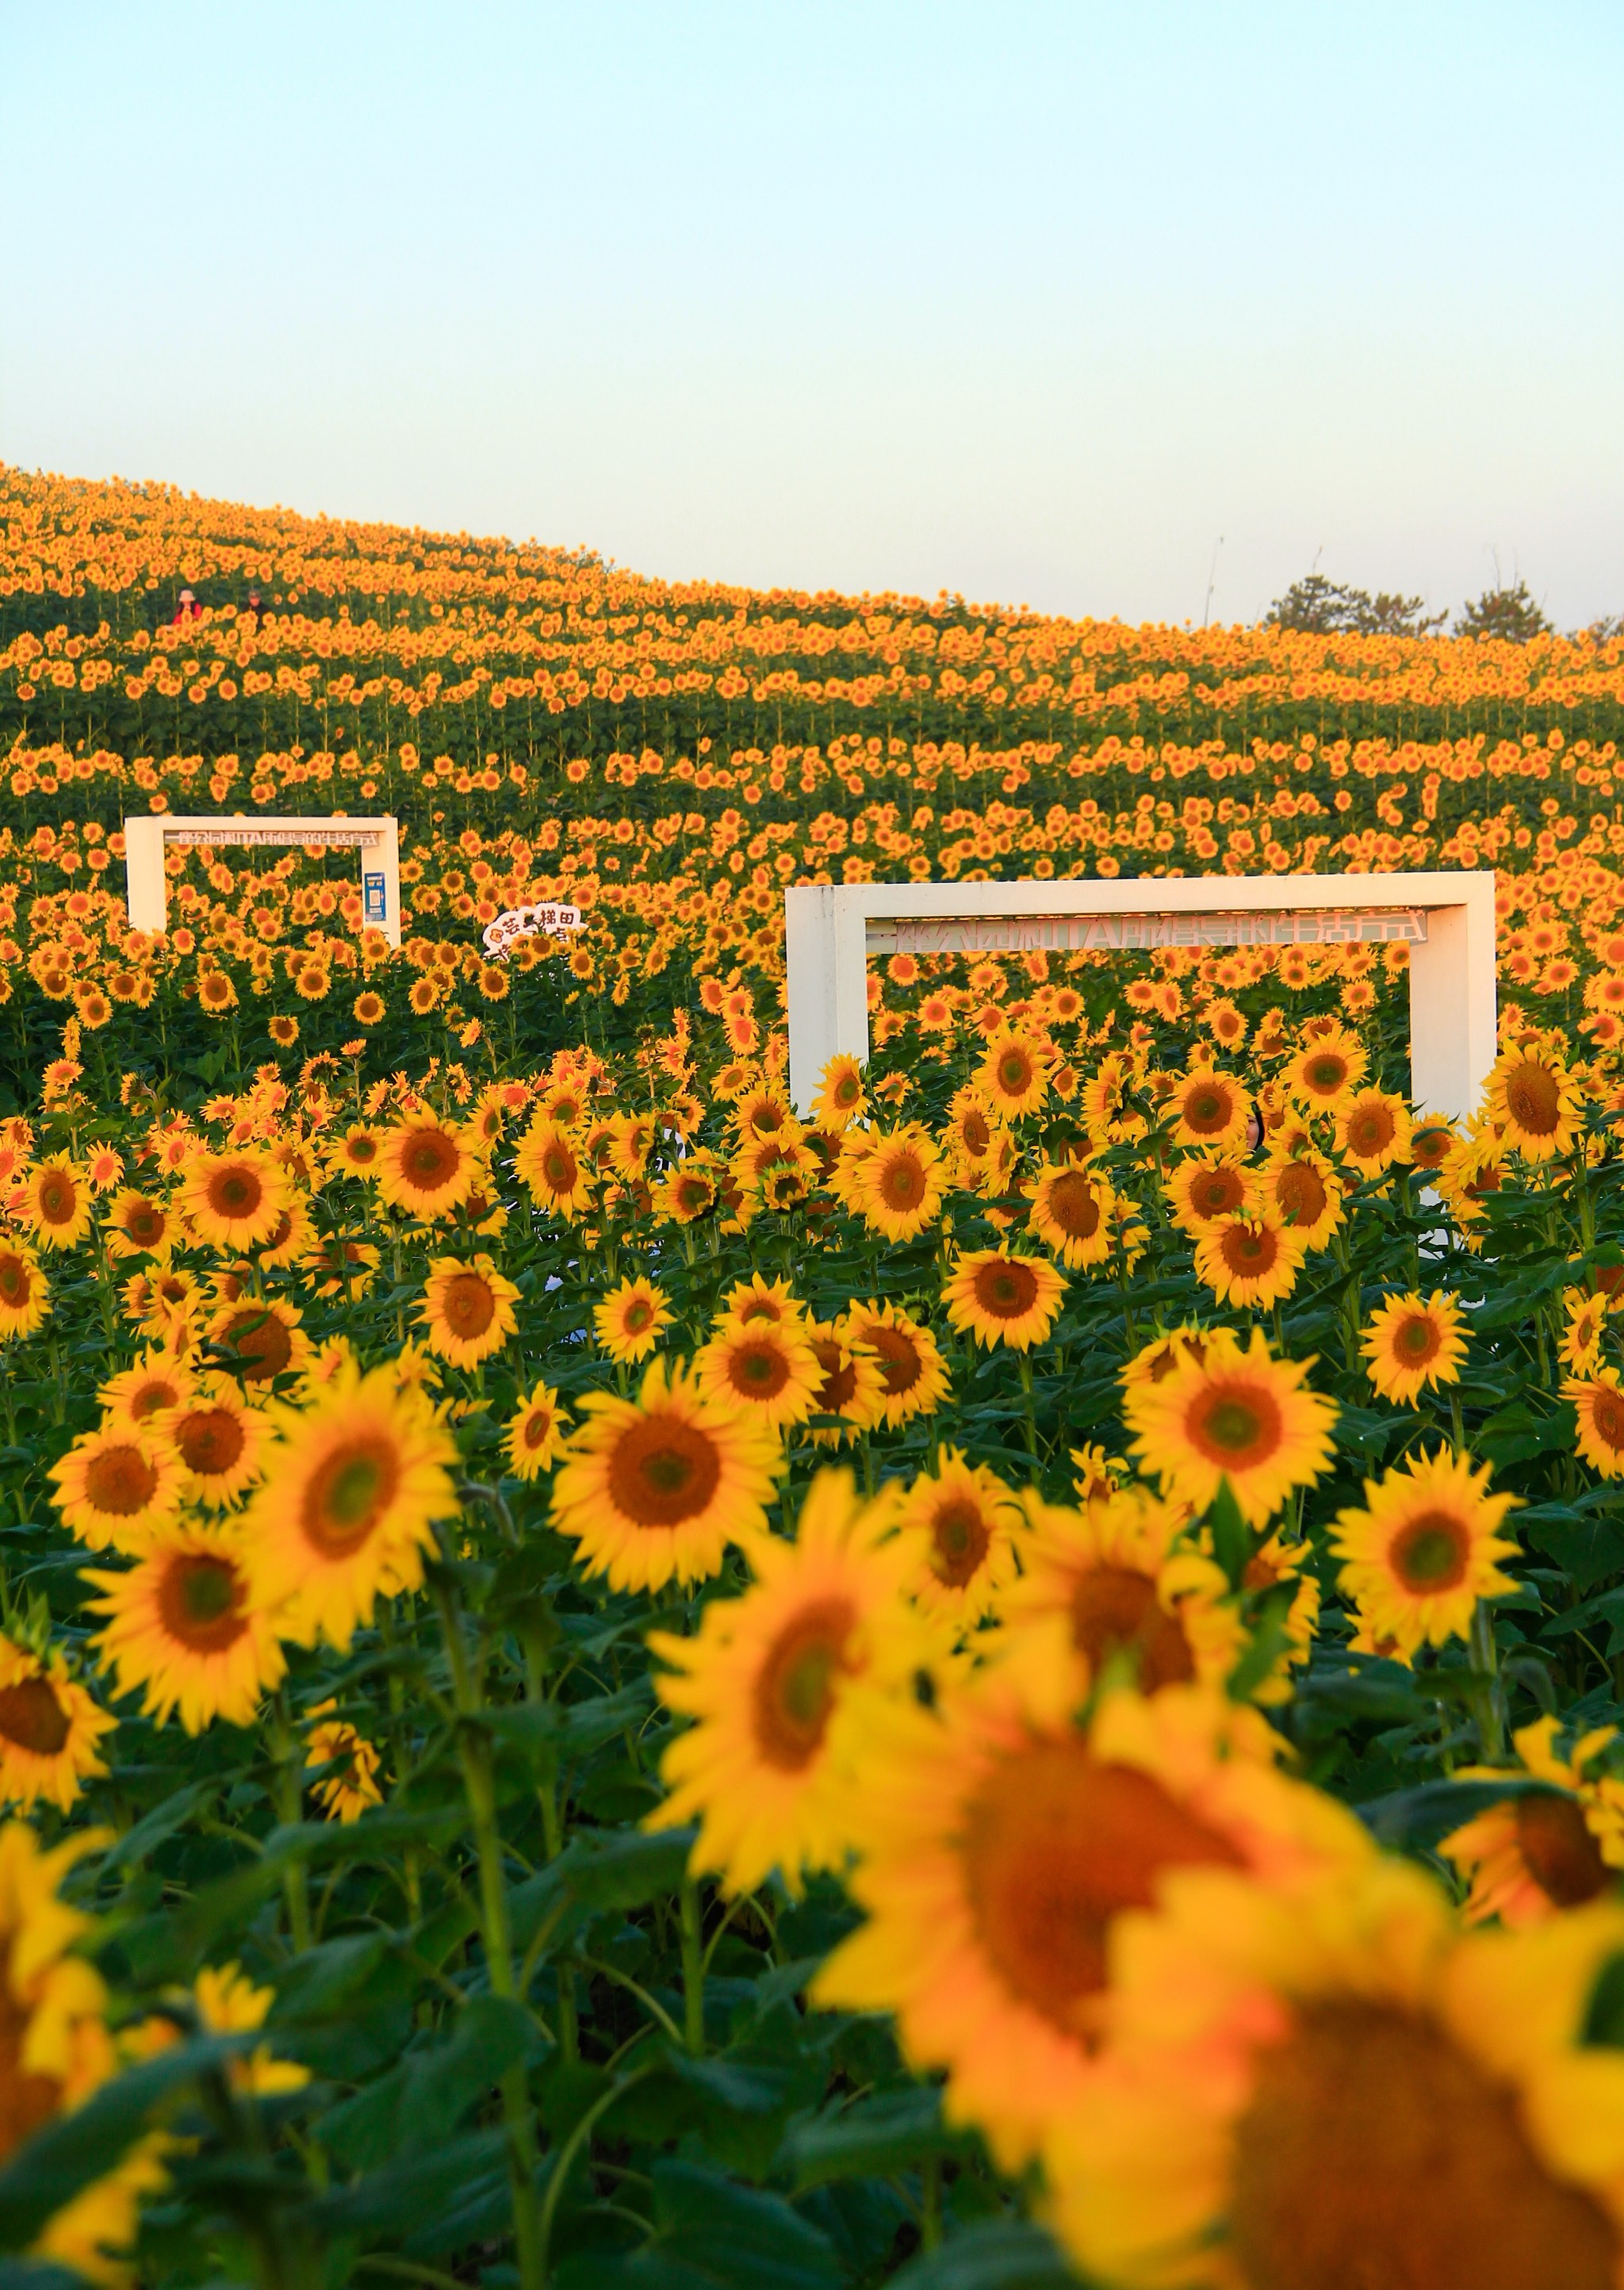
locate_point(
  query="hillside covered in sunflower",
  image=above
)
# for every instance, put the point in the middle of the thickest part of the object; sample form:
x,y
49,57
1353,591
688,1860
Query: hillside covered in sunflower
x,y
611,1683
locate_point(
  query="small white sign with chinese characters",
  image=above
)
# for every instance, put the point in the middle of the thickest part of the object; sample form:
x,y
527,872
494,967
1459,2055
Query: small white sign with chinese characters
x,y
528,922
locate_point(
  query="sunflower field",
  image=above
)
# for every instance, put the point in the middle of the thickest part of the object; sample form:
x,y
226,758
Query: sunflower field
x,y
1013,1679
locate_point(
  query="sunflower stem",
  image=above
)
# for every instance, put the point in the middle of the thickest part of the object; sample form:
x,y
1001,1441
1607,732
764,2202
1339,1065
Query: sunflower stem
x,y
693,1970
285,1750
1485,1661
1031,1410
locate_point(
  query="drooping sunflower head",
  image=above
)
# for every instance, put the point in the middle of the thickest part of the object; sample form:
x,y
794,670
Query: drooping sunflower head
x,y
1425,1548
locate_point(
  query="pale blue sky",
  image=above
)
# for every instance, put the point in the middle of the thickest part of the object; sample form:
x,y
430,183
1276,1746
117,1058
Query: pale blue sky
x,y
1029,301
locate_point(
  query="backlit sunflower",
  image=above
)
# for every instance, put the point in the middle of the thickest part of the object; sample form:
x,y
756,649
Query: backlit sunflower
x,y
1072,1212
116,1483
1535,1100
763,1678
631,1319
1598,1403
840,1097
137,1225
1325,1075
233,1200
1413,1343
1585,1320
58,2052
25,1293
219,1438
1118,1581
1326,2086
49,1729
54,1202
1209,1110
654,1490
1249,1262
1372,1131
259,1340
1003,1850
467,1309
157,1380
348,1788
913,1374
1301,1190
958,1527
1000,1298
425,1166
536,1435
1540,1852
852,1395
1201,1192
184,1624
345,1508
1424,1550
899,1188
1013,1077
551,1163
1234,1415
767,1369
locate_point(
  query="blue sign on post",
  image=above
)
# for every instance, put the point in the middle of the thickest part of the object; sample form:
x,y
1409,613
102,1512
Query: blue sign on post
x,y
373,899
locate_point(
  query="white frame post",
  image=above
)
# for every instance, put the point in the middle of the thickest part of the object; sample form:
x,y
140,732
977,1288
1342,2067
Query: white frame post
x,y
148,836
1453,1007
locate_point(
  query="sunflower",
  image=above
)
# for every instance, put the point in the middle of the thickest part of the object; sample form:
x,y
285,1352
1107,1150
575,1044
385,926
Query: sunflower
x,y
1301,1190
1002,1851
959,1526
1001,1298
900,1186
25,1293
852,1397
185,1623
1118,1583
115,1485
1431,1144
763,1678
289,1238
345,1508
1324,1074
691,1189
757,1301
157,1380
1411,1343
913,1374
766,1370
259,1341
1535,1101
1234,1415
631,1319
1201,1191
340,1268
137,1225
60,2052
1579,1350
1012,1078
1208,1109
370,1009
840,1097
467,1309
355,1154
1154,1362
536,1435
55,1202
228,2003
1374,1131
654,1489
219,1440
1325,2085
49,1729
1072,1212
558,1175
1249,1262
1542,1851
349,1786
233,1200
283,1030
426,1166
1423,1552
1598,1403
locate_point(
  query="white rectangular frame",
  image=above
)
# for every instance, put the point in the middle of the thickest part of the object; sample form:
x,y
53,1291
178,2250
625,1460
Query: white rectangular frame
x,y
147,839
1453,1009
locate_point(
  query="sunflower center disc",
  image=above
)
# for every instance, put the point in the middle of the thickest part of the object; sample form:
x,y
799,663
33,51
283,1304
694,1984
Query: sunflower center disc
x,y
31,1716
1115,1610
120,1482
347,1496
961,1543
663,1471
209,1442
1374,2153
1430,1552
199,1601
794,1688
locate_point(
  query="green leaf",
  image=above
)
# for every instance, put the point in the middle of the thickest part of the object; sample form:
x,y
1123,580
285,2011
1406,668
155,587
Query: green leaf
x,y
1421,1815
547,1732
738,2237
153,1827
611,1869
1003,2254
1605,2016
406,2194
874,2138
1231,1537
419,2104
1586,1539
